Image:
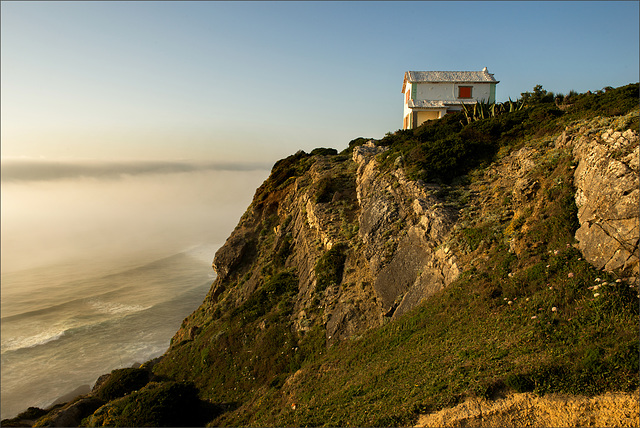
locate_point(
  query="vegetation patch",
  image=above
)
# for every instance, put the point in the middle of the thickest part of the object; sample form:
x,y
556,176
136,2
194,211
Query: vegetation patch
x,y
121,382
166,404
330,267
282,174
447,148
278,290
473,236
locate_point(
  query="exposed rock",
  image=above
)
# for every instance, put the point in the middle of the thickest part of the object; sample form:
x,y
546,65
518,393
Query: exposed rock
x,y
607,197
100,381
525,189
231,254
401,226
562,140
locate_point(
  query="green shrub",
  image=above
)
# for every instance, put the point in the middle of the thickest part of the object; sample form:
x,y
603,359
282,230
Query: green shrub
x,y
321,151
519,382
32,413
325,190
473,236
283,250
539,95
613,102
329,268
121,382
283,173
327,187
281,286
168,404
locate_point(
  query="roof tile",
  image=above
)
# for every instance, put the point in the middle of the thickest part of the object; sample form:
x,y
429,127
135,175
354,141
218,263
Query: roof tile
x,y
449,76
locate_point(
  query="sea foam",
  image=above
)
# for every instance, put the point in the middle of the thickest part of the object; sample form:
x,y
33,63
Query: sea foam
x,y
43,338
114,308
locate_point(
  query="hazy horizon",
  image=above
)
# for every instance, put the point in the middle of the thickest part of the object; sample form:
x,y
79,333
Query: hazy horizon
x,y
25,169
66,212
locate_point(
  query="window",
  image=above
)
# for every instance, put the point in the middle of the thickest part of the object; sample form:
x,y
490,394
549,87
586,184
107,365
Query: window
x,y
464,91
408,95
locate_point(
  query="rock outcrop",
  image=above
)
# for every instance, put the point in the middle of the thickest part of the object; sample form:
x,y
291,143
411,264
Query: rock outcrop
x,y
409,224
607,196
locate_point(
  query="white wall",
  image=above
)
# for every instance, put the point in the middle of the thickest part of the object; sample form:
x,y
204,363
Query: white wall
x,y
449,91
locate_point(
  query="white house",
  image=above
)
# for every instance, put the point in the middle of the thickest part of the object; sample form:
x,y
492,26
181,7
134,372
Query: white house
x,y
432,94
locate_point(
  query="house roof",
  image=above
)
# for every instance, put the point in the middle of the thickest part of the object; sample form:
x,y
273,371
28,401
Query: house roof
x,y
482,76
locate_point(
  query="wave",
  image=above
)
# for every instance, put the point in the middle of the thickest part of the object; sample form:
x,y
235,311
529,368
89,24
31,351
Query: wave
x,y
100,313
121,283
117,314
64,307
159,284
32,341
51,336
115,308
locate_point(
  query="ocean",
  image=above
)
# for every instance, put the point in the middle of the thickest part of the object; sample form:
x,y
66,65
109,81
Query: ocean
x,y
98,273
70,332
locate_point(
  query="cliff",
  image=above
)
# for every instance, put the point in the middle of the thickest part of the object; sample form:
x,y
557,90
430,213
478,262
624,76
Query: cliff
x,y
405,275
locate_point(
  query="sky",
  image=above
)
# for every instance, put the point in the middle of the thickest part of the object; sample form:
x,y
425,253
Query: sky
x,y
257,81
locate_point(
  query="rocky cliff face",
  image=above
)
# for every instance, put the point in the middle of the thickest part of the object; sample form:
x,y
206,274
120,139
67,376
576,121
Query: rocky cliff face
x,y
367,244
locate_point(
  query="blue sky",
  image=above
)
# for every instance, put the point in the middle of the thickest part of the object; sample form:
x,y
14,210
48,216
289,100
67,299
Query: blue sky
x,y
257,81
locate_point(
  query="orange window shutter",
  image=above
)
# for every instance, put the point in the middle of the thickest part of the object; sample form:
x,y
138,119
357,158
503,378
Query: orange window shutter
x,y
464,92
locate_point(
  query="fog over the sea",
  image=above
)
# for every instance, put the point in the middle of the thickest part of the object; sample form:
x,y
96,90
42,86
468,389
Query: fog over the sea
x,y
105,213
28,169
